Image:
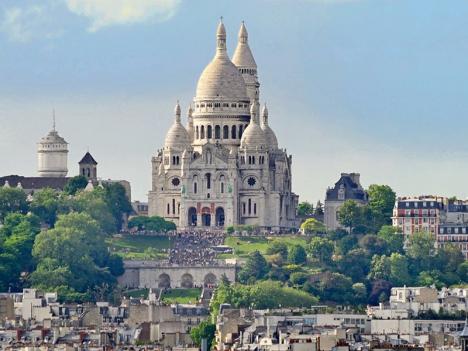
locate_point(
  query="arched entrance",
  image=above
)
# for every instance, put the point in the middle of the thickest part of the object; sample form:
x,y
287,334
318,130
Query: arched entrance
x,y
210,280
206,216
192,217
220,217
164,281
187,281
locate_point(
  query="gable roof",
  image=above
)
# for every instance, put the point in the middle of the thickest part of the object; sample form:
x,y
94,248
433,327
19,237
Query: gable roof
x,y
88,159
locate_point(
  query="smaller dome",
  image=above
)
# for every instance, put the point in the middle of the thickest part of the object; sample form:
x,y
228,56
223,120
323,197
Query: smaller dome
x,y
177,136
253,135
269,133
53,138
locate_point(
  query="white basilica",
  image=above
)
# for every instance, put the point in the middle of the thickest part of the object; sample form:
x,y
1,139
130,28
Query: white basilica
x,y
225,167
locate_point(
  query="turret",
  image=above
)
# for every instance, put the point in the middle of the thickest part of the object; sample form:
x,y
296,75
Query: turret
x,y
269,134
52,155
246,64
177,136
88,167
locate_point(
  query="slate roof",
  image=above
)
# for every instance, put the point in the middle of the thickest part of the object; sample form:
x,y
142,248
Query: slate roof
x,y
353,190
35,183
88,159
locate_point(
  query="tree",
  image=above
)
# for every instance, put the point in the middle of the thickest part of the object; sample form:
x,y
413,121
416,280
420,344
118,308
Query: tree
x,y
73,255
462,272
360,292
117,201
16,241
297,255
278,247
355,264
399,270
298,278
380,268
45,205
350,215
255,267
318,209
75,184
346,244
205,330
381,203
421,249
334,287
321,249
153,223
12,200
305,209
373,244
313,226
393,237
448,258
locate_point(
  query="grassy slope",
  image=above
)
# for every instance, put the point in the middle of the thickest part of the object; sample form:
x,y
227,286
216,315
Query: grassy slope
x,y
182,295
245,245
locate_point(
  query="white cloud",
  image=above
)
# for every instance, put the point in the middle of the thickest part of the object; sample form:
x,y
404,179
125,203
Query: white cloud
x,y
103,13
23,24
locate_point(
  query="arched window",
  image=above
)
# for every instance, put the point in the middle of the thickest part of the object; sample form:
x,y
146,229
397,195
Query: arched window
x,y
253,160
250,206
202,132
209,132
243,207
240,132
217,132
225,132
168,209
89,172
178,208
221,184
173,206
255,208
208,180
197,133
195,184
233,132
242,160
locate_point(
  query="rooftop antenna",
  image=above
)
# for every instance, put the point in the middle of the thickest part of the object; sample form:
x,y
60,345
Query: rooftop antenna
x,y
53,119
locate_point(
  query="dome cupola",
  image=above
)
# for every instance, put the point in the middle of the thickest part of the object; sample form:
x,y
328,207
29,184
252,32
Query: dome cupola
x,y
269,133
221,80
177,136
253,136
243,57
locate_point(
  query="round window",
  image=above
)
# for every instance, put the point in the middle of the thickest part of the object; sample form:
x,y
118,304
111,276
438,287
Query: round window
x,y
175,181
251,181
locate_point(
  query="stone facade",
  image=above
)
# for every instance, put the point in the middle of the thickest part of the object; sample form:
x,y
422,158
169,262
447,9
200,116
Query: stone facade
x,y
52,155
348,187
153,274
225,168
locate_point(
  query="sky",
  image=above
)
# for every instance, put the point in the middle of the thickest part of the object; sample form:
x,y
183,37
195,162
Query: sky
x,y
378,87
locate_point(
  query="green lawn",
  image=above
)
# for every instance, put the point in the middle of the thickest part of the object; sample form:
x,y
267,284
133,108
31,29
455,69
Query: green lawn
x,y
243,246
139,247
182,295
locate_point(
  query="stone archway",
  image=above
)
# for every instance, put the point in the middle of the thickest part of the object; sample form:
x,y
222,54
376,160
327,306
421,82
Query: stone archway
x,y
187,281
192,217
210,280
164,281
220,217
206,216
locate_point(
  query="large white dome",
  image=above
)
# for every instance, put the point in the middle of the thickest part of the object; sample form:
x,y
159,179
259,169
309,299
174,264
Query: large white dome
x,y
221,80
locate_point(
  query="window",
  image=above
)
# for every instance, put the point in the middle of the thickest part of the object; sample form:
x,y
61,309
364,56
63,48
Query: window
x,y
255,208
250,206
208,180
195,184
209,132
221,184
243,207
202,132
175,181
240,132
197,134
233,132
251,181
217,132
173,206
168,209
225,132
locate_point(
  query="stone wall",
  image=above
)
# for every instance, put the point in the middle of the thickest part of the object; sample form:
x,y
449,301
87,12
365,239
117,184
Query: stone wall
x,y
149,274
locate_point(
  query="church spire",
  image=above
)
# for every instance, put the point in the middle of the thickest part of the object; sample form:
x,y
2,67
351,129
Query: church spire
x,y
221,37
177,112
53,119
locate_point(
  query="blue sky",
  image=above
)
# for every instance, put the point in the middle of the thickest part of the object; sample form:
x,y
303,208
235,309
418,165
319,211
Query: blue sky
x,y
377,87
